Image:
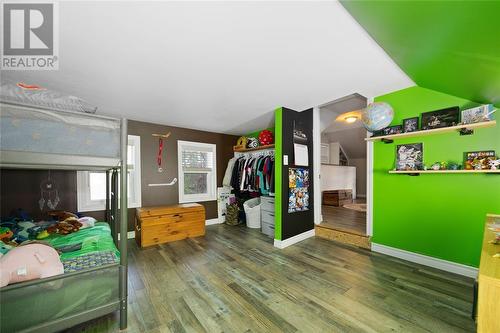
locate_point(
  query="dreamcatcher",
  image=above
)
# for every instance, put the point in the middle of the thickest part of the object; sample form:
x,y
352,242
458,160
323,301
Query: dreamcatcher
x,y
48,194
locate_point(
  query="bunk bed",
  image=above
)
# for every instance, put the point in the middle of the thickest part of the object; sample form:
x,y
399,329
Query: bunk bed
x,y
45,137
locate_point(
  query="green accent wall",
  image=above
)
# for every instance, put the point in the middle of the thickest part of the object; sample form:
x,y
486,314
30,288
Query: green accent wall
x,y
278,167
448,46
438,215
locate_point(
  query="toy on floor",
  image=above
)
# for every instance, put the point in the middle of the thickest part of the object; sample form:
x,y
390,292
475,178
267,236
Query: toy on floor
x,y
29,262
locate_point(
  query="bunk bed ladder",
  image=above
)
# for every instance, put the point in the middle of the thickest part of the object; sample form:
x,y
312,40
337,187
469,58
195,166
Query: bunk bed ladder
x,y
113,214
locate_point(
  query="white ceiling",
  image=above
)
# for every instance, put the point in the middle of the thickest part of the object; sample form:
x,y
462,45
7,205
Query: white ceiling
x,y
217,66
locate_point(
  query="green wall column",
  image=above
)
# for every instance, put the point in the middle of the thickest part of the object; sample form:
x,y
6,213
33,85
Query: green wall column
x,y
278,164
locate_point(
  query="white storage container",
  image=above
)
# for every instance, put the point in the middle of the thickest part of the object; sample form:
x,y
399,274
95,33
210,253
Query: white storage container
x,y
252,211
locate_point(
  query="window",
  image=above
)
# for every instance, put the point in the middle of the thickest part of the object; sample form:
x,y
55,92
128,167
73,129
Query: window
x,y
197,171
91,185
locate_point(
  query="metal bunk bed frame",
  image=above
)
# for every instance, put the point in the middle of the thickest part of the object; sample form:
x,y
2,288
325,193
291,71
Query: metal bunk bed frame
x,y
117,218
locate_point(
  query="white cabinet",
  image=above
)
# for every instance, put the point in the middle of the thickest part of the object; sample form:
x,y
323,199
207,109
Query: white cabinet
x,y
267,215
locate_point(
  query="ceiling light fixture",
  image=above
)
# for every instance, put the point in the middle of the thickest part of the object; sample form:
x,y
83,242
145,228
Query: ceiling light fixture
x,y
350,119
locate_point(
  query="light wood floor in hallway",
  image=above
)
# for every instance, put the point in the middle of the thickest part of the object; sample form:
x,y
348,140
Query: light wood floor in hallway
x,y
344,219
234,280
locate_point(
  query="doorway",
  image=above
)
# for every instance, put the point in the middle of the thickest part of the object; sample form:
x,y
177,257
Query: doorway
x,y
343,171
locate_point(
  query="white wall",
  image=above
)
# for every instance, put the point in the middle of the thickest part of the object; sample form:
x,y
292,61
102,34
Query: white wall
x,y
354,144
335,177
360,164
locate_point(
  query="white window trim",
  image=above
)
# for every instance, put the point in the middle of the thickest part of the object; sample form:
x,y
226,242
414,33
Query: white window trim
x,y
84,204
136,201
212,196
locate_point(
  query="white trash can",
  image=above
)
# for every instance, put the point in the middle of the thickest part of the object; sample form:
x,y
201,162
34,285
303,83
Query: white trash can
x,y
252,212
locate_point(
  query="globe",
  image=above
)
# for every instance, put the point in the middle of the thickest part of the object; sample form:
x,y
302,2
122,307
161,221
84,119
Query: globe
x,y
377,116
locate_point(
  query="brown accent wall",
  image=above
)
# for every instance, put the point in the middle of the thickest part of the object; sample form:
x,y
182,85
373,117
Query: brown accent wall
x,y
21,188
168,195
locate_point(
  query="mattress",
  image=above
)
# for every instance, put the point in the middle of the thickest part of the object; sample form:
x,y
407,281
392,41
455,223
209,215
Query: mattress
x,y
25,129
40,97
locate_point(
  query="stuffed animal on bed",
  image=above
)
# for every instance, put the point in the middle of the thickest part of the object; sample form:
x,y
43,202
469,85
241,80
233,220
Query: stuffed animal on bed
x,y
5,234
65,227
61,215
87,221
29,262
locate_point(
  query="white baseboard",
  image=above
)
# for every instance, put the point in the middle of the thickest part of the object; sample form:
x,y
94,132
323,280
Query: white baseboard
x,y
213,221
281,244
130,235
441,264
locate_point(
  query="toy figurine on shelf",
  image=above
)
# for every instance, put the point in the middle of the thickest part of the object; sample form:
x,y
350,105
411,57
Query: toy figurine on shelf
x,y
494,164
443,166
453,166
477,164
241,144
436,166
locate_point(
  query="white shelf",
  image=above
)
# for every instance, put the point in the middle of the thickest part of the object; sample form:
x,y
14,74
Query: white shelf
x,y
410,172
441,130
239,150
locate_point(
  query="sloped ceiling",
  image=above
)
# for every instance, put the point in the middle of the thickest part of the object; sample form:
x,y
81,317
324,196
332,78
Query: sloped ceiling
x,y
330,111
216,66
452,47
352,141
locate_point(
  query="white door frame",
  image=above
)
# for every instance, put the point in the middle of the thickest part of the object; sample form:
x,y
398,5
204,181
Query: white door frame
x,y
317,173
369,187
318,217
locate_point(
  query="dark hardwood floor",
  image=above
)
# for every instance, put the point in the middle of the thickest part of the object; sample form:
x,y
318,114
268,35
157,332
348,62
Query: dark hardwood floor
x,y
234,280
343,219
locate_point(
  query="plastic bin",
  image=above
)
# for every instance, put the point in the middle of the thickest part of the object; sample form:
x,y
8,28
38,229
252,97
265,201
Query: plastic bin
x,y
252,212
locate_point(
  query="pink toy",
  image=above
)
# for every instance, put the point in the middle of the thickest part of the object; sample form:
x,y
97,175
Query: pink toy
x,y
29,262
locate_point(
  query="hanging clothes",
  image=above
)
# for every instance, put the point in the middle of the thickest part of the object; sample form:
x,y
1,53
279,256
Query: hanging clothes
x,y
229,172
252,174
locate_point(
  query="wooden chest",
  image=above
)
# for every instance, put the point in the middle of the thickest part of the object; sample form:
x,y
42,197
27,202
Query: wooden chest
x,y
337,197
162,224
488,305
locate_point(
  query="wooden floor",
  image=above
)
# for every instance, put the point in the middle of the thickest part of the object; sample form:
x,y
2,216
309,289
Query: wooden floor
x,y
344,219
234,280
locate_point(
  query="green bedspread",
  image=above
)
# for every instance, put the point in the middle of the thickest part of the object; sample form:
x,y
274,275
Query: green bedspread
x,y
97,238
